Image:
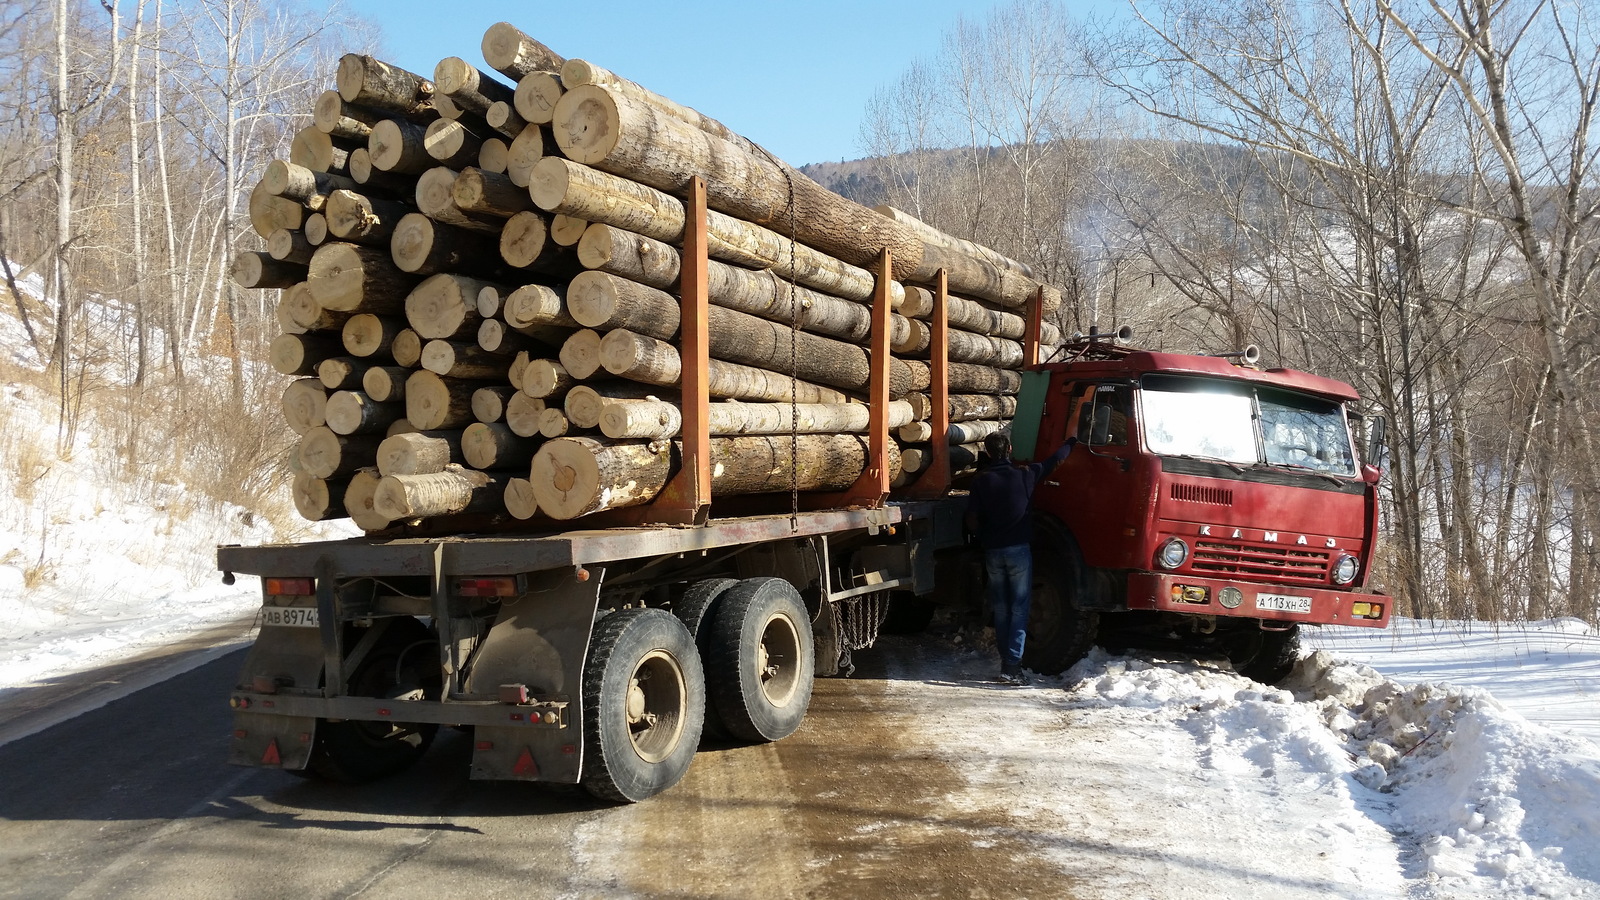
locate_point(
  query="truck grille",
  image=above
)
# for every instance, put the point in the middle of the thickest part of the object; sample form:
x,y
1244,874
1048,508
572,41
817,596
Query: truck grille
x,y
1296,564
1195,493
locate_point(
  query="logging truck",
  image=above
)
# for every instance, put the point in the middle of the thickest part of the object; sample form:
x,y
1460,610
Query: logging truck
x,y
1211,505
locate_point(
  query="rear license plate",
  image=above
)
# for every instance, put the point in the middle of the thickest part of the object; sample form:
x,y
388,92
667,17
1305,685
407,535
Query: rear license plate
x,y
1283,603
289,616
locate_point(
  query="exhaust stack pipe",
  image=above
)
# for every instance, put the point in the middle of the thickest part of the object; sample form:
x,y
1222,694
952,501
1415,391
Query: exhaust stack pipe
x,y
1249,355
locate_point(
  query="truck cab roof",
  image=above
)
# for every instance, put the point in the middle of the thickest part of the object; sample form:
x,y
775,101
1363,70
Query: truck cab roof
x,y
1134,363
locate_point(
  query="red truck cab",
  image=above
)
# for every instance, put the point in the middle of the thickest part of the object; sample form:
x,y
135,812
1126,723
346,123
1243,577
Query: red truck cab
x,y
1209,505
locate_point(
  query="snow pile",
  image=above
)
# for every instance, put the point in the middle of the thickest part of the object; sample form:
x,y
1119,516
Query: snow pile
x,y
1498,804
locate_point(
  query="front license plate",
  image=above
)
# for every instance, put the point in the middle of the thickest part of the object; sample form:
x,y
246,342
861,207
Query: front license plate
x,y
1279,603
289,616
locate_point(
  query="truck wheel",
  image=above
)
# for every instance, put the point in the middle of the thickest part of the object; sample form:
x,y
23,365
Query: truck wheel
x,y
695,609
1059,633
762,663
1274,656
644,700
402,665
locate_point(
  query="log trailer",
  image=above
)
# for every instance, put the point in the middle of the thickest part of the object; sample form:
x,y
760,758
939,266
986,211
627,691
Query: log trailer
x,y
1211,504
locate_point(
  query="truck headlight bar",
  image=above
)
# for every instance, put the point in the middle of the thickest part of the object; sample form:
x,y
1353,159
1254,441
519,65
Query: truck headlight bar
x,y
1172,553
1344,571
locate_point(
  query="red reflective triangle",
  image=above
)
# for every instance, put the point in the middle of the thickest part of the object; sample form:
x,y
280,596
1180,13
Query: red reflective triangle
x,y
271,757
525,764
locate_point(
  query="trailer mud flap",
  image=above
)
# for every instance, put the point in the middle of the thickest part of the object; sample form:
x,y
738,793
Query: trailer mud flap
x,y
538,643
272,741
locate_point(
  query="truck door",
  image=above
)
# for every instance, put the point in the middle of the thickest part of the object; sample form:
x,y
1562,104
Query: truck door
x,y
1096,492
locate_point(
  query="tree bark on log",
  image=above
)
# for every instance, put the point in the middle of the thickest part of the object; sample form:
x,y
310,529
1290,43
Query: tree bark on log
x,y
445,306
495,446
654,263
299,354
536,97
341,373
583,404
358,499
467,87
960,432
290,247
562,186
454,359
302,185
616,133
515,55
352,412
602,301
435,403
325,454
385,384
576,476
489,403
452,144
367,335
304,405
651,361
352,278
365,81
967,407
419,452
967,378
254,269
545,378
317,499
451,492
422,246
932,235
522,414
659,420
576,73
503,118
484,193
336,118
400,147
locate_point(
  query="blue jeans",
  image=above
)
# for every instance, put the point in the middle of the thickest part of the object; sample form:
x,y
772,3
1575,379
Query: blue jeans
x,y
1010,571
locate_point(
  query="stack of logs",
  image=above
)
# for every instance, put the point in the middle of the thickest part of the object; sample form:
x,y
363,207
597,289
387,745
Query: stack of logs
x,y
480,300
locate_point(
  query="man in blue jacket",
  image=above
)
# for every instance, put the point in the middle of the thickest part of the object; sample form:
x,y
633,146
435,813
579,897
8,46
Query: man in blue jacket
x,y
999,514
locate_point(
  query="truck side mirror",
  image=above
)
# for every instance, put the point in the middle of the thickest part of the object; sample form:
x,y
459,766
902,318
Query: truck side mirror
x,y
1101,434
1377,447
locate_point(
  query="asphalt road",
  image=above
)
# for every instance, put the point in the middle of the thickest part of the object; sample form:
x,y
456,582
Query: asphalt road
x,y
134,800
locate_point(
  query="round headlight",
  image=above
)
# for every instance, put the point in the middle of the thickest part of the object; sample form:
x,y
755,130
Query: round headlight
x,y
1172,553
1344,571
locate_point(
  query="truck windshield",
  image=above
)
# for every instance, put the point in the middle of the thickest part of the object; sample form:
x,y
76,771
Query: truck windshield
x,y
1244,424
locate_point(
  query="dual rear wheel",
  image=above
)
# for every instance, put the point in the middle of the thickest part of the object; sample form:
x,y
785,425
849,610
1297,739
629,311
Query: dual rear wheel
x,y
736,659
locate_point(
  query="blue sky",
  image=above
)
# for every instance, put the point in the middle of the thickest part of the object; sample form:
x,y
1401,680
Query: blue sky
x,y
794,77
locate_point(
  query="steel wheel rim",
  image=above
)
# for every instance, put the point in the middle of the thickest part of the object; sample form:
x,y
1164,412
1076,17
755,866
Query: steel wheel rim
x,y
778,661
656,706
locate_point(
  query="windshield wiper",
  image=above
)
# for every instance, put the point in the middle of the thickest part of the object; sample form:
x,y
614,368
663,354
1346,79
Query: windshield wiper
x,y
1213,459
1303,468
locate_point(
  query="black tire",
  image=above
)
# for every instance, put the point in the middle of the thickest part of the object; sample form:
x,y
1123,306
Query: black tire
x,y
1059,633
643,705
400,664
1273,658
763,661
695,610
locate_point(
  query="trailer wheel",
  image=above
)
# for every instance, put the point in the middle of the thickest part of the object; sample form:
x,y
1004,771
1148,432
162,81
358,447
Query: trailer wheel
x,y
1269,656
695,609
399,666
762,664
1059,633
643,704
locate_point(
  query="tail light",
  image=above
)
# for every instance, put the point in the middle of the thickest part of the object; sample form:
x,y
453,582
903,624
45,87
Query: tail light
x,y
290,587
487,587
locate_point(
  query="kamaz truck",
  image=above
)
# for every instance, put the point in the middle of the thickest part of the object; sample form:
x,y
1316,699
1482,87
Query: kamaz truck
x,y
1212,505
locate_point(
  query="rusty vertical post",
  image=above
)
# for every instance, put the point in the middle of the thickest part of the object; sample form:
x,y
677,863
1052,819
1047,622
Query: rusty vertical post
x,y
686,499
935,480
1031,335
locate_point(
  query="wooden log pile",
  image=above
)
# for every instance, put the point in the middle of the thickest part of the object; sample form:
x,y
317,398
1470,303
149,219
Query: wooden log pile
x,y
480,277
